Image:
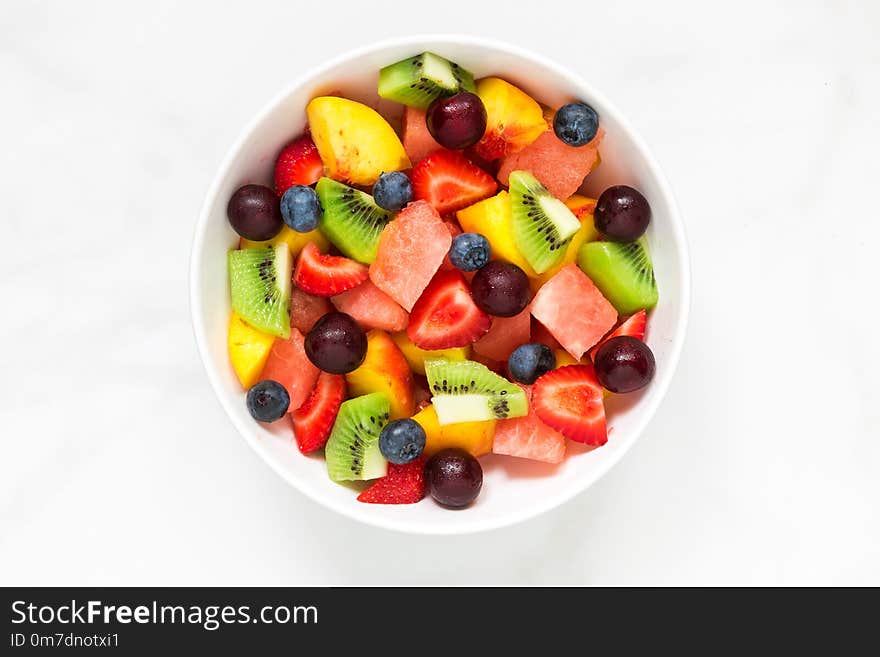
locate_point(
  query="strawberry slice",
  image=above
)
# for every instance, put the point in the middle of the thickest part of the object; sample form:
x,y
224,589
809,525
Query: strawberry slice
x,y
450,182
404,484
446,316
633,326
313,420
569,399
298,163
326,275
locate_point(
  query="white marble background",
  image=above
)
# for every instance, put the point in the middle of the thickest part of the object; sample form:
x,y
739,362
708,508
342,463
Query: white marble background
x,y
119,467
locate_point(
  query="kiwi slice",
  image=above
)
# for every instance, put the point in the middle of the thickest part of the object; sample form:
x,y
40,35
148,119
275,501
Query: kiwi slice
x,y
465,391
352,221
352,451
622,272
259,279
542,224
417,81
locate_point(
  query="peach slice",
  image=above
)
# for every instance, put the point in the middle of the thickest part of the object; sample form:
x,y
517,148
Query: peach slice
x,y
514,119
355,143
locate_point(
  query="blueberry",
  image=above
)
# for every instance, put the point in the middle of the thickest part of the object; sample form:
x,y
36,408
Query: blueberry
x,y
392,191
469,251
529,361
402,441
300,208
576,124
267,401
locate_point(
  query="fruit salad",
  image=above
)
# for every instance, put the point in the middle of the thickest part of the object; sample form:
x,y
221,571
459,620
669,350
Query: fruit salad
x,y
410,300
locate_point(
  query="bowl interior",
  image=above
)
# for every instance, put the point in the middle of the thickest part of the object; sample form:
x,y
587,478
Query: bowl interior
x,y
513,489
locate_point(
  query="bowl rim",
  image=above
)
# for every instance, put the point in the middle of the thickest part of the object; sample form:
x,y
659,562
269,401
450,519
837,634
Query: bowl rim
x,y
401,524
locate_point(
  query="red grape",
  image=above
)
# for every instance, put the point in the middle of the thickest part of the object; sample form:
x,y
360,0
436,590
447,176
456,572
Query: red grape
x,y
624,364
454,477
457,121
336,343
255,213
622,214
501,289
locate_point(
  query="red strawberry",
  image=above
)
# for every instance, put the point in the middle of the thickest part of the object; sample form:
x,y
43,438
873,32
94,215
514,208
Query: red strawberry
x,y
327,275
569,399
298,163
634,327
446,316
313,420
404,484
450,182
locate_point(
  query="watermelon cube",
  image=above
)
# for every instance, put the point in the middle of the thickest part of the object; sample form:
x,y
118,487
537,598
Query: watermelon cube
x,y
288,365
573,309
372,308
528,437
559,167
411,249
541,334
417,141
306,309
505,335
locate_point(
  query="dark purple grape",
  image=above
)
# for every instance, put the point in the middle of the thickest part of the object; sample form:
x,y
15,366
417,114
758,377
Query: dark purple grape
x,y
624,364
501,289
457,121
622,214
255,213
336,343
454,477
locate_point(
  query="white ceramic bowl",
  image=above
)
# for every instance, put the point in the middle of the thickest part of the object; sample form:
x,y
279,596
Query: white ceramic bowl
x,y
513,489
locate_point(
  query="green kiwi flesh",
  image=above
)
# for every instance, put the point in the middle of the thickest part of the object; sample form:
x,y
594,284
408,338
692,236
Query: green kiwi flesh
x,y
622,272
419,80
259,281
352,221
466,391
352,451
542,224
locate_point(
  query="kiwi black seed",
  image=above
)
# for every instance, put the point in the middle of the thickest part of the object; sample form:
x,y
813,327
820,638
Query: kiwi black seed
x,y
623,273
351,221
542,224
466,391
419,80
259,280
352,451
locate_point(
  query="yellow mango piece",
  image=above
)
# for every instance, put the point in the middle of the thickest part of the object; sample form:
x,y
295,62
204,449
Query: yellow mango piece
x,y
296,241
248,350
564,358
384,370
355,143
513,118
586,233
416,356
474,437
493,218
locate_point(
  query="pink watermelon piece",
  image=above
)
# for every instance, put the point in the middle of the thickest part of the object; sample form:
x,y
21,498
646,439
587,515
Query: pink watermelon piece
x,y
454,230
288,365
306,309
496,366
528,437
542,335
560,168
417,141
411,249
505,335
573,309
372,308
